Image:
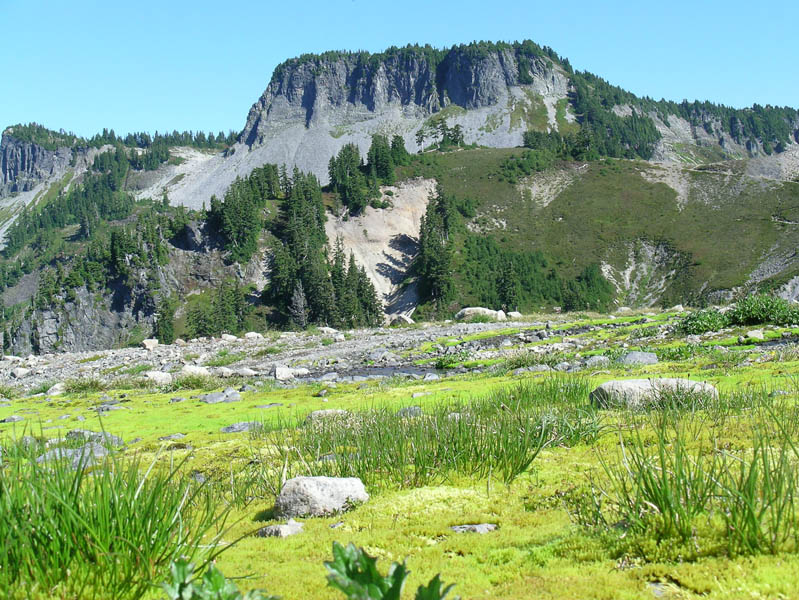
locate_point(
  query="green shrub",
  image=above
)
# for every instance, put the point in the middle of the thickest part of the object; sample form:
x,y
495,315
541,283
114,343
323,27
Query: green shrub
x,y
762,308
355,573
702,321
212,586
85,386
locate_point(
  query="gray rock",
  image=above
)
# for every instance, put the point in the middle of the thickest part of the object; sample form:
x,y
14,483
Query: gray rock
x,y
639,358
475,528
248,388
241,427
319,496
194,370
332,376
291,527
85,456
176,399
562,366
597,362
321,393
245,372
20,372
159,377
174,436
431,377
638,393
756,334
95,437
13,419
214,398
150,344
270,405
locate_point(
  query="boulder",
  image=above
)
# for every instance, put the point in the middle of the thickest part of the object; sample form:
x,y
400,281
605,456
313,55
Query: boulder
x,y
479,311
159,377
245,372
639,358
150,344
756,335
397,320
282,373
85,456
195,370
96,437
638,393
20,372
514,314
253,335
676,308
474,528
13,419
597,361
291,527
328,331
319,496
174,436
226,337
56,390
224,372
180,342
241,427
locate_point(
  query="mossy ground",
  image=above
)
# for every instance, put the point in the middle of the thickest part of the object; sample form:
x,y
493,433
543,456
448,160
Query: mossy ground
x,y
538,551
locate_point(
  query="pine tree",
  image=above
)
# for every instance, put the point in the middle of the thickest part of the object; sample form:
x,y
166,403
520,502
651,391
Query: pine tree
x,y
298,308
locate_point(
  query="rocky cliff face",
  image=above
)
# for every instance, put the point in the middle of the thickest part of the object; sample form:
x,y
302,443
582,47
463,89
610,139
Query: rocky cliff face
x,y
24,165
313,106
110,318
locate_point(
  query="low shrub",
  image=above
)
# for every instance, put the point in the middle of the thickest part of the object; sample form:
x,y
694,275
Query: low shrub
x,y
702,321
84,386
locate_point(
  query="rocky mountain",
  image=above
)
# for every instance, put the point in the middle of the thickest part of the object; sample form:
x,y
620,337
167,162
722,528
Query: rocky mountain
x,y
704,163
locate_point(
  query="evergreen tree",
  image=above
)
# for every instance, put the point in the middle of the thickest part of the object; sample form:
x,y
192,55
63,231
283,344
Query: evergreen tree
x,y
298,308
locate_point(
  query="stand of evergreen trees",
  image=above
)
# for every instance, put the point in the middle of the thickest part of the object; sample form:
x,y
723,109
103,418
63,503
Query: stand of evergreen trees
x,y
357,183
456,263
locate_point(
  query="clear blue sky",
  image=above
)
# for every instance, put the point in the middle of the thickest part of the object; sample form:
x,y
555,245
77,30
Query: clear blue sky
x,y
153,65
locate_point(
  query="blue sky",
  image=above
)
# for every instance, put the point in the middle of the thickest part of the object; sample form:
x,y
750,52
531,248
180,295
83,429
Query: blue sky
x,y
162,65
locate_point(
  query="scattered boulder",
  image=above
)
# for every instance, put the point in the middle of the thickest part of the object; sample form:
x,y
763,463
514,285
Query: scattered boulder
x,y
514,314
97,437
20,372
397,320
85,456
228,395
474,528
150,344
639,358
282,373
479,311
676,308
241,427
319,496
638,393
328,331
756,335
245,372
159,377
597,361
13,419
431,377
195,370
253,335
291,527
226,337
57,390
174,436
176,399
270,405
